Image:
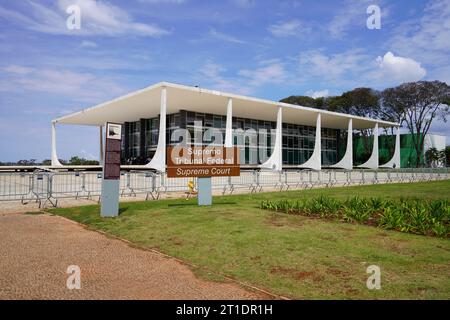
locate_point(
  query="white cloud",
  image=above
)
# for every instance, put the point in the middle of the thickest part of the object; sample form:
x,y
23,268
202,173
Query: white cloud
x,y
272,72
356,68
212,75
246,81
163,1
353,14
85,87
245,3
17,69
335,67
288,28
89,44
426,38
318,94
224,37
98,18
400,69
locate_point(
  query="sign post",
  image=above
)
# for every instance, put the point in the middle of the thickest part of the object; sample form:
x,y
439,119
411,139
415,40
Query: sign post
x,y
203,163
111,171
204,191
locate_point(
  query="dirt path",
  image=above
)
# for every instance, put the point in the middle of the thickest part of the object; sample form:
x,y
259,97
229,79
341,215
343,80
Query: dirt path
x,y
35,251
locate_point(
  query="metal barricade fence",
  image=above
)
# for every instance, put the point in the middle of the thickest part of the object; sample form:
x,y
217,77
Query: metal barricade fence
x,y
269,180
247,180
50,186
293,179
144,183
329,178
221,183
93,184
16,186
175,184
66,184
342,177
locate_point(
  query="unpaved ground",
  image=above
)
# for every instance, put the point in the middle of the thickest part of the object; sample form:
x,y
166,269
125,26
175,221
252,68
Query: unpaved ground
x,y
36,250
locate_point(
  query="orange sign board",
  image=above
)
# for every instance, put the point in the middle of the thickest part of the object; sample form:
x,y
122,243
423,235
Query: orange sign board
x,y
202,162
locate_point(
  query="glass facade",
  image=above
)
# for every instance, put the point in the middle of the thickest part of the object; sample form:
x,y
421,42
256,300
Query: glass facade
x,y
254,138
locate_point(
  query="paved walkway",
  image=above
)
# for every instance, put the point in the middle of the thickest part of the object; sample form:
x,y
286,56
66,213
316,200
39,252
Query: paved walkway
x,y
35,251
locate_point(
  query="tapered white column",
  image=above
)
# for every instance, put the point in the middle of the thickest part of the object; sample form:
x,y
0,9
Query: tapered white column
x,y
275,162
100,153
372,163
158,161
395,161
347,161
229,125
315,162
55,160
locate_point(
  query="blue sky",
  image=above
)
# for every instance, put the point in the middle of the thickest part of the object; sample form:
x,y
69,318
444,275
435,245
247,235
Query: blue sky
x,y
267,49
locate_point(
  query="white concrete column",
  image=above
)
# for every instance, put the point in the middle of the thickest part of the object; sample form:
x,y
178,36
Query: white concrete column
x,y
347,161
158,161
54,160
275,162
372,163
315,162
395,161
100,154
229,124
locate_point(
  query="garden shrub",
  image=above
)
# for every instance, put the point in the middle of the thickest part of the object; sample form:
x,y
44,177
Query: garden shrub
x,y
406,215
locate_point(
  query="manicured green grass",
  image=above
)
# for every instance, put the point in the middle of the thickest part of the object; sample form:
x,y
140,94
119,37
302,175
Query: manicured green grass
x,y
294,256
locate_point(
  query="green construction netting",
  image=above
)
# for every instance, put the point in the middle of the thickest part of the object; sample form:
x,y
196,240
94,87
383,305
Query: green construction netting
x,y
386,144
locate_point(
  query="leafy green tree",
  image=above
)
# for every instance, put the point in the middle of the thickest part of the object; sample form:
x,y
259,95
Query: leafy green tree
x,y
30,162
447,156
422,103
305,101
362,102
433,157
77,161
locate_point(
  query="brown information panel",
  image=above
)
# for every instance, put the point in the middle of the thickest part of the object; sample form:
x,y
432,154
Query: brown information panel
x,y
202,162
112,152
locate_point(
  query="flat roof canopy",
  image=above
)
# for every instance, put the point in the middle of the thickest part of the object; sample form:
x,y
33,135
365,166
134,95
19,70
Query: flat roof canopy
x,y
145,104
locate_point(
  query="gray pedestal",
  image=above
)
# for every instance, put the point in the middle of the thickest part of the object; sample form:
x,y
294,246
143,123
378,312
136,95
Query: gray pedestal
x,y
110,198
204,192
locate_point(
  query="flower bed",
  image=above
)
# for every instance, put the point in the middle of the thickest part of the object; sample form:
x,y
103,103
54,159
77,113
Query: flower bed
x,y
430,217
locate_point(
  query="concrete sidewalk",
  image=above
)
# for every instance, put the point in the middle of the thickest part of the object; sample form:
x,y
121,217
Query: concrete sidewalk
x,y
35,251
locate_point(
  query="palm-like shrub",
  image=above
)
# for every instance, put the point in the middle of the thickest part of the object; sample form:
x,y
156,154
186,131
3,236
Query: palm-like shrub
x,y
405,215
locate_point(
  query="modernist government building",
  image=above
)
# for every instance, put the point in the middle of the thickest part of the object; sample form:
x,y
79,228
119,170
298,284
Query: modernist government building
x,y
269,134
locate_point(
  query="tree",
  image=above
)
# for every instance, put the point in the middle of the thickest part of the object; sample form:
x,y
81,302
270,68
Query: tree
x,y
362,102
447,156
390,109
305,101
46,162
30,162
422,103
434,158
77,161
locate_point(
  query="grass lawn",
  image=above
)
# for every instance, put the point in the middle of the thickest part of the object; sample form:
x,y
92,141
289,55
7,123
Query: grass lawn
x,y
294,256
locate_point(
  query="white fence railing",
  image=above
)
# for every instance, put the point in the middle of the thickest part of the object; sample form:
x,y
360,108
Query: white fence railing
x,y
49,187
